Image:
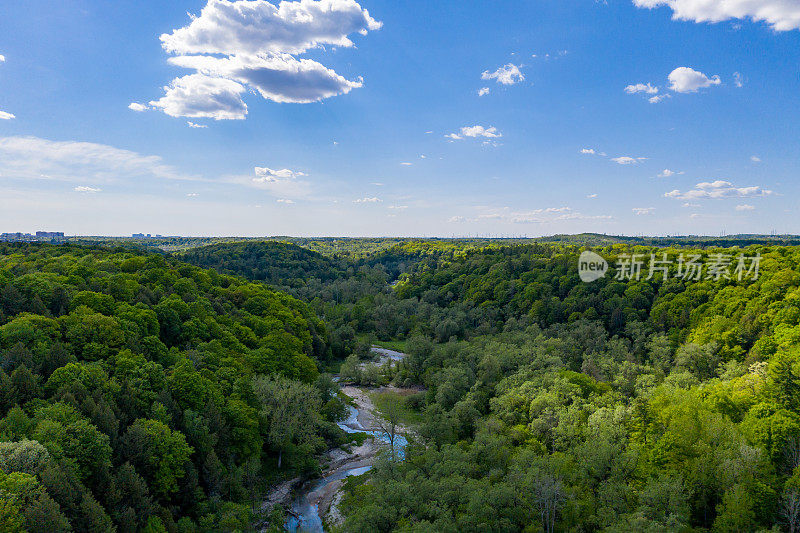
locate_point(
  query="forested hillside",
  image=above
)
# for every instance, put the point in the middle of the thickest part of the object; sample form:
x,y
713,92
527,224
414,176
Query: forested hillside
x,y
141,392
620,405
138,393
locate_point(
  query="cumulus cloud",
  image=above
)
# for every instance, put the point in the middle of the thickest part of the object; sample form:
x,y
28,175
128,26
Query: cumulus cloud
x,y
201,96
719,189
744,207
36,158
6,116
641,88
658,98
283,183
688,80
474,132
255,26
755,159
640,211
2,58
781,15
280,78
193,125
507,75
268,175
86,189
285,201
252,44
136,106
483,91
367,200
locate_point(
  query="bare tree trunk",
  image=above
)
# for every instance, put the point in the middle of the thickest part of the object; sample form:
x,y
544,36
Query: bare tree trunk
x,y
790,510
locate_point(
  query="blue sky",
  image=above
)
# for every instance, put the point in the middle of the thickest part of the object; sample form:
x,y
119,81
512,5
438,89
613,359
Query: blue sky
x,y
366,118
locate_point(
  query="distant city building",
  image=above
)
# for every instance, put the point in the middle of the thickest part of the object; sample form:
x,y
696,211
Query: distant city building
x,y
40,236
141,236
49,234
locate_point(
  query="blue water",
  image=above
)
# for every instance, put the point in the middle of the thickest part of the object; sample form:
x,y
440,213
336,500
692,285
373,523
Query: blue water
x,y
310,520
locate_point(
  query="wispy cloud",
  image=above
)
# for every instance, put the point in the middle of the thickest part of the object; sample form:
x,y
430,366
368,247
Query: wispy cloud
x,y
719,189
36,158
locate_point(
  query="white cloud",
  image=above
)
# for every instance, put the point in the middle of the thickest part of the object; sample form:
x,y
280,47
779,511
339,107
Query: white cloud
x,y
456,218
280,78
253,27
744,207
192,195
285,201
2,58
398,207
719,189
136,106
35,158
688,80
782,15
197,126
406,164
641,88
738,80
639,211
373,200
200,96
240,44
282,183
268,175
592,196
85,189
474,132
755,159
659,98
507,75
625,160
588,151
6,116
483,91
667,173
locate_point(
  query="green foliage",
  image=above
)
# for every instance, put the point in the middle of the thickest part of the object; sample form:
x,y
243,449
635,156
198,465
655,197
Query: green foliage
x,y
125,391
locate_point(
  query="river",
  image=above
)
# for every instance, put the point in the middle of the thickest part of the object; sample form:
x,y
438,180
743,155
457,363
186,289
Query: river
x,y
305,507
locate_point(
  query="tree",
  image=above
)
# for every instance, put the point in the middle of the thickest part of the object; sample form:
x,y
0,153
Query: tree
x,y
291,409
548,497
790,509
387,419
158,453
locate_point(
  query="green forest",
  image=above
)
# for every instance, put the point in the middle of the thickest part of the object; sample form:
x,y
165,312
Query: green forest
x,y
144,390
